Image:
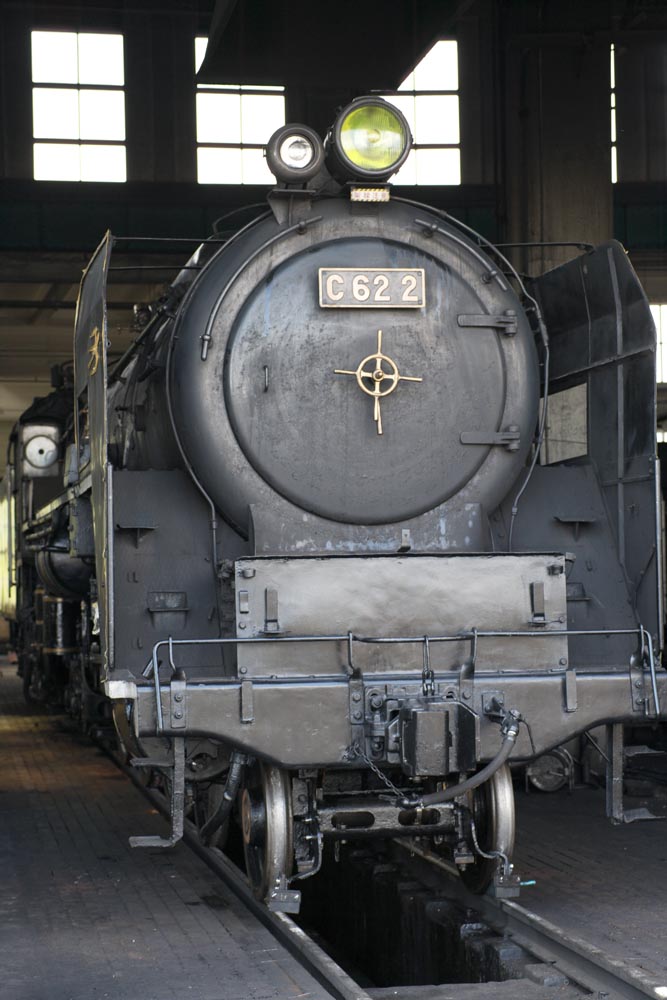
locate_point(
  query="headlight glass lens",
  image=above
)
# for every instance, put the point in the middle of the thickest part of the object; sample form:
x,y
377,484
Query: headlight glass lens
x,y
373,137
296,151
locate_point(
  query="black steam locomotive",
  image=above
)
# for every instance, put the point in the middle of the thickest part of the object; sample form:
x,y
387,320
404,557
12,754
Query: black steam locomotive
x,y
315,540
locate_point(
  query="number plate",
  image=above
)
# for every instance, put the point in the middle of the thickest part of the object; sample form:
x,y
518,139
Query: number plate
x,y
371,288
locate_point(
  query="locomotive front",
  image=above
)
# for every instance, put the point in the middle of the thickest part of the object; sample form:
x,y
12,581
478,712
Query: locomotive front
x,y
354,386
314,460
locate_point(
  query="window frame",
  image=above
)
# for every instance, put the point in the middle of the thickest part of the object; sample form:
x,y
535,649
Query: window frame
x,y
430,92
78,88
613,122
240,90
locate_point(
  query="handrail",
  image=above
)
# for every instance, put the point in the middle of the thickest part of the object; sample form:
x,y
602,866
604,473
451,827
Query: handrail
x,y
152,668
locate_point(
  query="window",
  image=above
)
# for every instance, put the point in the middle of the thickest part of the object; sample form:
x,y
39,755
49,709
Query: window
x,y
612,81
659,312
566,432
234,123
429,99
78,106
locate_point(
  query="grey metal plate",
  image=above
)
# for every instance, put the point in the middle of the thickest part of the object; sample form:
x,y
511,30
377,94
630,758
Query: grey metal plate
x,y
429,595
163,583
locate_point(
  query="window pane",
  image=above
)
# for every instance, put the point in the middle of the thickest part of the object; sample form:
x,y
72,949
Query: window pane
x,y
438,166
218,118
55,113
260,117
102,114
54,58
103,163
54,162
407,106
200,52
660,320
101,59
433,120
613,125
614,166
254,169
218,166
566,434
408,172
437,119
438,70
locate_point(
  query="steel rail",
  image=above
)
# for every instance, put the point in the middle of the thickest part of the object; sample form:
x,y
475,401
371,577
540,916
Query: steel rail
x,y
583,963
314,959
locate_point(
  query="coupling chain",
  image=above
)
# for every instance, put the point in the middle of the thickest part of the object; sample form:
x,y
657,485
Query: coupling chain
x,y
357,751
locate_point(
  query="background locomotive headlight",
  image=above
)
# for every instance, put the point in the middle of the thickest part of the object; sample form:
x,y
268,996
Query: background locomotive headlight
x,y
370,139
294,153
41,451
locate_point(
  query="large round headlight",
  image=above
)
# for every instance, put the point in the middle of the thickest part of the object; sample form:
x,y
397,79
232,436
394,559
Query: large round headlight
x,y
370,139
294,153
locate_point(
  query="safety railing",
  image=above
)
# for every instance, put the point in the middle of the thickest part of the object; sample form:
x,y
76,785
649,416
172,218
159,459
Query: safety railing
x,y
646,652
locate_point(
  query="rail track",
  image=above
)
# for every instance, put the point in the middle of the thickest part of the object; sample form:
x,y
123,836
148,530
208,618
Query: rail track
x,y
315,960
584,965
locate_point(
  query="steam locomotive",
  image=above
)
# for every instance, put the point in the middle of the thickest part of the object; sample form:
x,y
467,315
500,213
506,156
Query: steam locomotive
x,y
320,540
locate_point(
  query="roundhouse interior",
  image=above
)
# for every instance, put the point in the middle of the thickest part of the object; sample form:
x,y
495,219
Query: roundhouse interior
x,y
542,127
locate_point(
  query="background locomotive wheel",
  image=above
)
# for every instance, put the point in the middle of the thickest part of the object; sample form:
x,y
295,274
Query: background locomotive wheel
x,y
492,807
266,820
35,684
27,681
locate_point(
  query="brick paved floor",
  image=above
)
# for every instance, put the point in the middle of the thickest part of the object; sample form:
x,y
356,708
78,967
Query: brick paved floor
x,y
85,917
604,884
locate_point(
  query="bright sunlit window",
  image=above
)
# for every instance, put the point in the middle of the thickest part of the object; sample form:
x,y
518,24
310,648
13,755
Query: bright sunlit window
x,y
429,99
234,123
78,106
659,311
612,82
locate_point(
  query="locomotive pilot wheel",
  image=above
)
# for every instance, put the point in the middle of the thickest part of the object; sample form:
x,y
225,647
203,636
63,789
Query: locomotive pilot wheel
x,y
266,822
492,809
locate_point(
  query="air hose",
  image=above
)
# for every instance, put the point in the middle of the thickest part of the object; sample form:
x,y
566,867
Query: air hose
x,y
236,766
510,730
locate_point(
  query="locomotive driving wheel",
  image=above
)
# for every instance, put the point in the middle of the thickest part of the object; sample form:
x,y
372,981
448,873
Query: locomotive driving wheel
x,y
266,821
492,811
